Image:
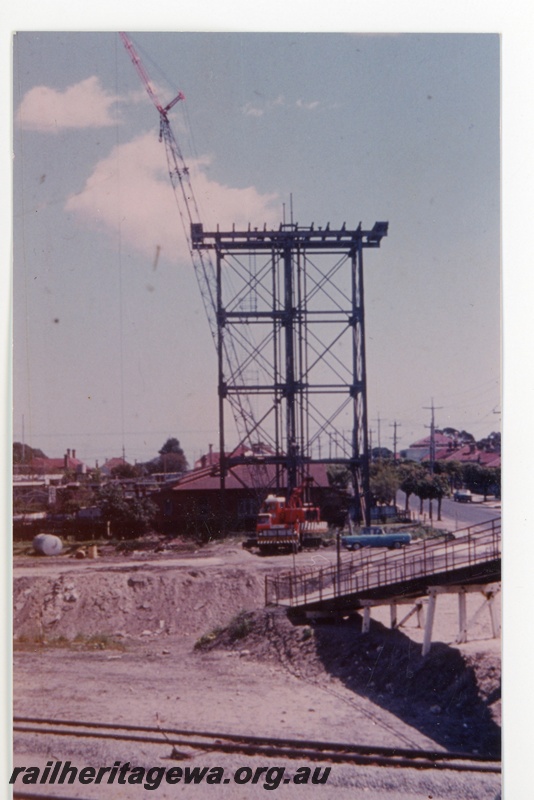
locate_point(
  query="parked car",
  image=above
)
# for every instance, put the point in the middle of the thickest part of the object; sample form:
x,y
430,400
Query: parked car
x,y
463,496
376,537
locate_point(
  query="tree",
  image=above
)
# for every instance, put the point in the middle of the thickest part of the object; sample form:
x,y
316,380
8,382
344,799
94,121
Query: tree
x,y
467,437
23,453
70,500
410,478
380,452
450,432
438,488
384,481
336,505
423,491
453,470
125,471
491,442
128,518
339,477
472,476
171,458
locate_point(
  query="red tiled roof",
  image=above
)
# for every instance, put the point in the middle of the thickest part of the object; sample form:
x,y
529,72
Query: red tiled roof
x,y
55,464
240,476
212,459
111,463
467,455
439,439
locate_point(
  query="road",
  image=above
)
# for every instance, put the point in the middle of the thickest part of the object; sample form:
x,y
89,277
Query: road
x,y
454,515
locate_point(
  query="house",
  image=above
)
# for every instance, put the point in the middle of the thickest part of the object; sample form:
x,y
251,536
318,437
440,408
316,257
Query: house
x,y
420,451
195,503
470,454
112,463
452,448
212,457
40,465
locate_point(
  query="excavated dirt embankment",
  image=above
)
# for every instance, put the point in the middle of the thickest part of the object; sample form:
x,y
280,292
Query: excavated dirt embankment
x,y
452,695
130,602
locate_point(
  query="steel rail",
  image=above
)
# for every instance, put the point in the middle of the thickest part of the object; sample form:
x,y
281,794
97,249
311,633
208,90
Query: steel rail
x,y
266,746
33,796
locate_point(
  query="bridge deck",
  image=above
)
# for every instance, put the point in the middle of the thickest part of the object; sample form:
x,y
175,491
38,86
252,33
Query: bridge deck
x,y
473,556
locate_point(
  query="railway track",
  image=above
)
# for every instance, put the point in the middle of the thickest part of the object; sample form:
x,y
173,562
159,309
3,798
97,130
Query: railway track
x,y
185,743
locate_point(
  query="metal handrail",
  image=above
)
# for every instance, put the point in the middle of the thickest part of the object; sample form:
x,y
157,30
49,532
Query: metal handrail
x,y
370,570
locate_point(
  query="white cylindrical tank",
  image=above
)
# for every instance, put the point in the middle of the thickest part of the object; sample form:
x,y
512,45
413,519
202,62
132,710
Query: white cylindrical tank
x,y
47,545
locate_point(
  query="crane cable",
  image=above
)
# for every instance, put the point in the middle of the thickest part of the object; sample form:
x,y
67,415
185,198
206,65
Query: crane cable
x,y
204,269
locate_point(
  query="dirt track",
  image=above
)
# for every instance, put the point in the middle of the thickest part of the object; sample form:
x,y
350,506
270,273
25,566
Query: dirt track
x,y
121,634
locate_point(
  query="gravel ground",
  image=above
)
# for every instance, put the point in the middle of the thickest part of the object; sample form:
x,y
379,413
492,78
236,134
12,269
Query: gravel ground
x,y
113,641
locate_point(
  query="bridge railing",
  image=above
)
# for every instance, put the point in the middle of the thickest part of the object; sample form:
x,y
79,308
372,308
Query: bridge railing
x,y
370,569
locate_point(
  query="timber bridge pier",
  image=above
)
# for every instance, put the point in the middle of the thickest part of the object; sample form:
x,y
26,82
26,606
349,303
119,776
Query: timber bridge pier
x,y
469,561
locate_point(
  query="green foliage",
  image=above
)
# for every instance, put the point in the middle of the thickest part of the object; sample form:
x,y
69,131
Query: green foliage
x,y
171,458
238,628
339,477
483,480
438,487
411,475
96,641
380,452
23,453
128,518
125,471
208,638
384,481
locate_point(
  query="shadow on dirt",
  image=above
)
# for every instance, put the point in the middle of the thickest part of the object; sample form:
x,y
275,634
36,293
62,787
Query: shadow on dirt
x,y
445,695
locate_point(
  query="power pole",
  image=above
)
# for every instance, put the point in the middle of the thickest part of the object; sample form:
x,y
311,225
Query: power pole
x,y
377,420
432,426
395,425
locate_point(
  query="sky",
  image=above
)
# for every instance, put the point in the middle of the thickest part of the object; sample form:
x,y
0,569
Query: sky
x,y
111,343
378,156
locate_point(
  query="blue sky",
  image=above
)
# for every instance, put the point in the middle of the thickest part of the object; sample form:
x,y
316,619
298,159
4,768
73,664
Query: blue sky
x,y
111,344
51,394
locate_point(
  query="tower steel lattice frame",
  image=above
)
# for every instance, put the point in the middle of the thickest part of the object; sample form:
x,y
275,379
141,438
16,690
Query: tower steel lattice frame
x,y
291,302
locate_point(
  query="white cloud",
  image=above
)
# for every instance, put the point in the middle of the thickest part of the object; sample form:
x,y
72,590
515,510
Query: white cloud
x,y
253,111
250,110
130,191
83,105
311,106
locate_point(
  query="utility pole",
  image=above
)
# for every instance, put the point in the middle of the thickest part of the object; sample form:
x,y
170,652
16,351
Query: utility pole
x,y
377,420
395,425
432,408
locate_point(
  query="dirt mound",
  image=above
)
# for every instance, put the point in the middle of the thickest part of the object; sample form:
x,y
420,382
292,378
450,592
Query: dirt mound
x,y
453,696
130,602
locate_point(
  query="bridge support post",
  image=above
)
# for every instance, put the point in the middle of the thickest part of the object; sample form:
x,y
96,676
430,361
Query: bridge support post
x,y
427,639
366,626
420,614
393,614
462,617
489,591
417,608
490,598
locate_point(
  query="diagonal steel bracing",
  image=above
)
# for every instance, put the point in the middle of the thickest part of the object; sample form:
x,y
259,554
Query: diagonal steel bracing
x,y
290,310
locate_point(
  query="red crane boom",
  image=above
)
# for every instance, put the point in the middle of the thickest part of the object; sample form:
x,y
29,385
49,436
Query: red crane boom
x,y
202,262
